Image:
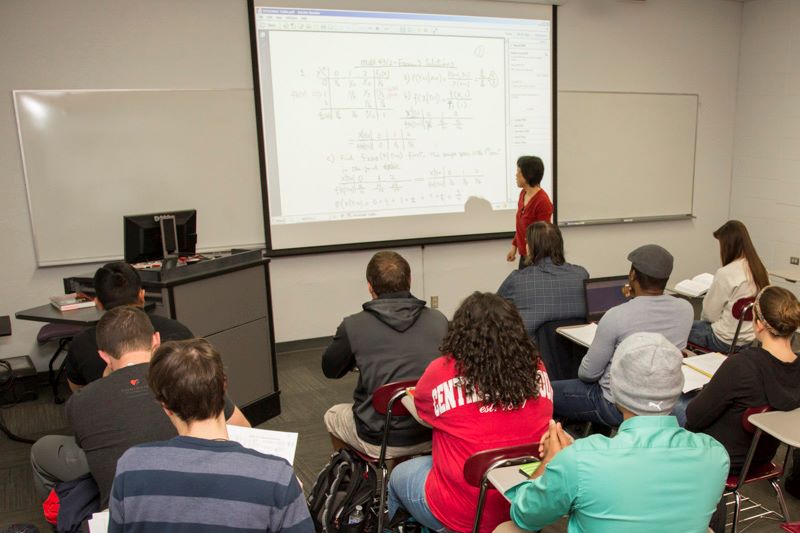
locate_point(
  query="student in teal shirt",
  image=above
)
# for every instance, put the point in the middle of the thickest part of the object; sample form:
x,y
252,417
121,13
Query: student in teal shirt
x,y
652,476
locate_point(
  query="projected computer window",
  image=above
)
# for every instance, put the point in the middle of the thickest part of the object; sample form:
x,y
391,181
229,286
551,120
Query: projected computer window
x,y
390,114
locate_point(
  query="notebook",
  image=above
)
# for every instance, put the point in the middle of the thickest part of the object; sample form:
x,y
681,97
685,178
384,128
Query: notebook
x,y
699,369
602,294
583,334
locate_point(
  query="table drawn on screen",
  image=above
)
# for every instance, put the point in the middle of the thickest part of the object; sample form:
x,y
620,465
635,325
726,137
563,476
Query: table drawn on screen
x,y
396,128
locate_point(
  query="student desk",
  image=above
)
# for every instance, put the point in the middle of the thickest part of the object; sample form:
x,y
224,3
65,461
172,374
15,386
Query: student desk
x,y
227,301
87,316
506,477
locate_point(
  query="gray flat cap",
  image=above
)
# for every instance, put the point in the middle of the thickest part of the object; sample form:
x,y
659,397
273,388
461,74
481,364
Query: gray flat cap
x,y
652,260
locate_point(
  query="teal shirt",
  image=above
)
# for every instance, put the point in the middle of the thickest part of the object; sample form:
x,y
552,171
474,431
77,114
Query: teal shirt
x,y
652,476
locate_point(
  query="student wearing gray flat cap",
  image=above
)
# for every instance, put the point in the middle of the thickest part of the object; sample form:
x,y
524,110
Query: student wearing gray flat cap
x,y
652,476
590,398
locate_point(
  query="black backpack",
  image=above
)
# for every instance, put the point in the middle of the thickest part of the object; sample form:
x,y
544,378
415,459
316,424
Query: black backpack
x,y
346,481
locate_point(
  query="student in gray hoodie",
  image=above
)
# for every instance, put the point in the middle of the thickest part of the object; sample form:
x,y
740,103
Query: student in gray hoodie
x,y
394,338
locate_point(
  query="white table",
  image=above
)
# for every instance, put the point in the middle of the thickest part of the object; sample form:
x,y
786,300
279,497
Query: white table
x,y
506,477
783,425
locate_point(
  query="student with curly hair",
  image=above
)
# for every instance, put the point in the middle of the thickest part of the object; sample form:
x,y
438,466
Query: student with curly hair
x,y
489,391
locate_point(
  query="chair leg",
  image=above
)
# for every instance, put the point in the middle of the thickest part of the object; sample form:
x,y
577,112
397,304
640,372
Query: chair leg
x,y
54,379
382,498
781,501
737,504
479,511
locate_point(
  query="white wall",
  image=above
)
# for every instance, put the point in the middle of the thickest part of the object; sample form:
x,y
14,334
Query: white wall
x,y
766,169
655,46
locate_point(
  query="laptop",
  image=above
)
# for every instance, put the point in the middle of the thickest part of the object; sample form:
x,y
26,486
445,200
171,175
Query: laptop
x,y
602,294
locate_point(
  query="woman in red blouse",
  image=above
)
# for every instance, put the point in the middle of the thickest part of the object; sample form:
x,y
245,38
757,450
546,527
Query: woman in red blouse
x,y
534,204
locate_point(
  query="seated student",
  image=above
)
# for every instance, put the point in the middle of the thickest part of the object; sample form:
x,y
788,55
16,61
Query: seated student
x,y
111,414
651,476
200,480
742,275
489,391
768,375
548,288
590,398
754,377
392,339
115,284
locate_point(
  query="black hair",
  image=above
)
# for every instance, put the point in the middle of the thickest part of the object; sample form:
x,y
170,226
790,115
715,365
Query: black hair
x,y
494,356
117,284
649,283
544,240
532,169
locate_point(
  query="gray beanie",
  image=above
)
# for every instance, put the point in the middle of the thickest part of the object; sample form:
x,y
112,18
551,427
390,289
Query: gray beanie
x,y
646,376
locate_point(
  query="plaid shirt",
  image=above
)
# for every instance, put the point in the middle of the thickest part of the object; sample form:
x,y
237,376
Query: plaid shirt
x,y
545,292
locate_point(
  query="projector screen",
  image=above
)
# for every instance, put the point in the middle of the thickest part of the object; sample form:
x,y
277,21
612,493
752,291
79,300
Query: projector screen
x,y
381,127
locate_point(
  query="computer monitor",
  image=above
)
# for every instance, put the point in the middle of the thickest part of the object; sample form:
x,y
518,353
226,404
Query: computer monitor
x,y
602,294
154,236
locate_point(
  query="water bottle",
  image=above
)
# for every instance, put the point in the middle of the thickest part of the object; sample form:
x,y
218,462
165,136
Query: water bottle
x,y
356,517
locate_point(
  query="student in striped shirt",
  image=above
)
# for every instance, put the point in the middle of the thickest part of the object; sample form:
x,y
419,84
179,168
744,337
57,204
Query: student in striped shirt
x,y
200,481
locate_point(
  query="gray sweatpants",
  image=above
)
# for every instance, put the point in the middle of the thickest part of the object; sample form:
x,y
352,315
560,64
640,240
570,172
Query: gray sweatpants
x,y
56,458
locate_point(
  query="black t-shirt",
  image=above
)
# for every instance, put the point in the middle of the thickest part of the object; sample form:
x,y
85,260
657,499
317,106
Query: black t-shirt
x,y
84,365
751,378
114,413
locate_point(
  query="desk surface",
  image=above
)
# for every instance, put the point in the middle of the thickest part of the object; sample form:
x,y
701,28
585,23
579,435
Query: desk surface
x,y
790,274
79,317
783,425
506,477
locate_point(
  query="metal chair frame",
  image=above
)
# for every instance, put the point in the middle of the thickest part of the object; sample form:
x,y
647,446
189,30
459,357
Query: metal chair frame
x,y
499,458
774,480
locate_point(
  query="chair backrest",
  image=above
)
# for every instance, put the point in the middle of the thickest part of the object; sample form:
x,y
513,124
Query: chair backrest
x,y
748,427
477,464
385,394
743,309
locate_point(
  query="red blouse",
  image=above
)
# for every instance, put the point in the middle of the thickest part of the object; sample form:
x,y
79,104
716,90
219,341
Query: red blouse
x,y
539,208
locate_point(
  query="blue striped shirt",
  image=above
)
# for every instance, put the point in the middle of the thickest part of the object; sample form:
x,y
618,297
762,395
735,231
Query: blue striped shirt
x,y
189,484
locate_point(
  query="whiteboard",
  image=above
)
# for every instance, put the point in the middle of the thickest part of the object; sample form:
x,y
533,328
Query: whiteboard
x,y
91,157
625,157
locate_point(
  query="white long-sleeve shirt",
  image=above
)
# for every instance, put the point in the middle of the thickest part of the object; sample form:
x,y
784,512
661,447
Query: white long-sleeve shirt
x,y
731,282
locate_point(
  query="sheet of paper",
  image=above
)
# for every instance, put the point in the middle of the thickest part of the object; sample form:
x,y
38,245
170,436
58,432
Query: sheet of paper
x,y
583,335
707,363
98,523
692,379
280,443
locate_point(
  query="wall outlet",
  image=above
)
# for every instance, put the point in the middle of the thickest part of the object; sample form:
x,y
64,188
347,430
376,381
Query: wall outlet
x,y
794,260
434,302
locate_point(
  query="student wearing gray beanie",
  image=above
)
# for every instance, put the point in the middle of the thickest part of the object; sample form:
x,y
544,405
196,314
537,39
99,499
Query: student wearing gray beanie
x,y
652,474
646,376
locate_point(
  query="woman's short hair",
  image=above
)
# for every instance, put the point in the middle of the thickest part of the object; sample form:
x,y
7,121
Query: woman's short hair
x,y
532,169
494,356
779,310
544,240
188,378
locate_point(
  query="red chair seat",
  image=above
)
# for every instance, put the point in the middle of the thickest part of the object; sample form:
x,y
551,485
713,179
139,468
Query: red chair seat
x,y
793,527
756,473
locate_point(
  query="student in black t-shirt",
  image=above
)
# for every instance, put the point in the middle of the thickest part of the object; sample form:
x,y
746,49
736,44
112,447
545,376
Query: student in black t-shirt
x,y
754,377
115,284
113,413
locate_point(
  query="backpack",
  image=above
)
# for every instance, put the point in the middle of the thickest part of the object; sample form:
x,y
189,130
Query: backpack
x,y
346,481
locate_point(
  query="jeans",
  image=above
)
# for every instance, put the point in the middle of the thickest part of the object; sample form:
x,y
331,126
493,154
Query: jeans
x,y
702,335
407,490
679,409
574,399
